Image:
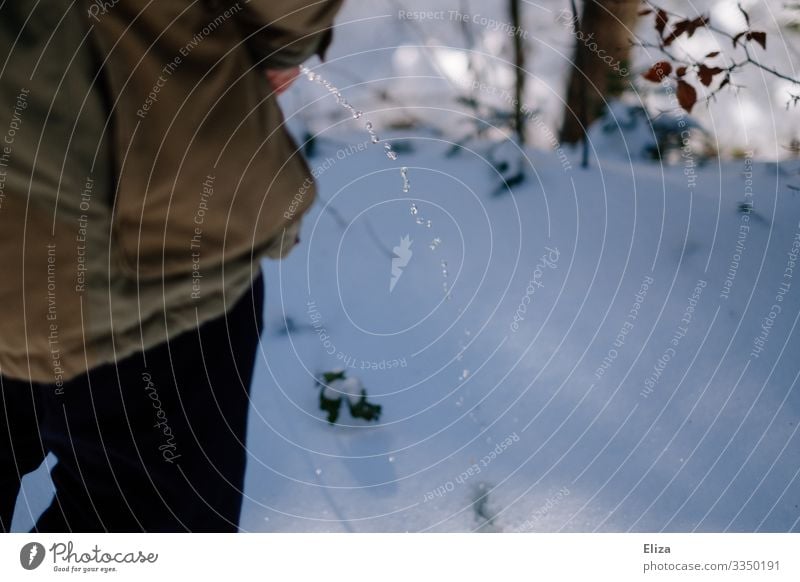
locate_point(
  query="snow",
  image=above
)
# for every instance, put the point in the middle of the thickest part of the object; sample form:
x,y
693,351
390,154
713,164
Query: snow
x,y
590,360
711,447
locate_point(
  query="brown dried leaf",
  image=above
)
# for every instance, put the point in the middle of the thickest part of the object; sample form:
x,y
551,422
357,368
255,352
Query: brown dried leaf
x,y
759,37
687,96
680,71
658,71
686,26
699,22
706,74
661,21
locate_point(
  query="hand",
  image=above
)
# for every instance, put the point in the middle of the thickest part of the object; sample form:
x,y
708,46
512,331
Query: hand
x,y
282,79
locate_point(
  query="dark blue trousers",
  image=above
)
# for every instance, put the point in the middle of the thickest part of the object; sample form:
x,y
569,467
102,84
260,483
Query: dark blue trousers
x,y
155,442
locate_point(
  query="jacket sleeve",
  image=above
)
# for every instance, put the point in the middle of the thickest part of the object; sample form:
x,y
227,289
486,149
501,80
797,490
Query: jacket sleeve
x,y
285,33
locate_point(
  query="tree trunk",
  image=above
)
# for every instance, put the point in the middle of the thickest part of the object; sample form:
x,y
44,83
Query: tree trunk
x,y
600,64
519,71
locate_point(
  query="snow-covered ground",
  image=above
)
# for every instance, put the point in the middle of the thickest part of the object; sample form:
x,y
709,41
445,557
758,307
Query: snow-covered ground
x,y
502,389
601,349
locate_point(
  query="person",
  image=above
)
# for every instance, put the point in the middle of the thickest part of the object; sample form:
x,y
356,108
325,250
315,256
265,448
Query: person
x,y
144,172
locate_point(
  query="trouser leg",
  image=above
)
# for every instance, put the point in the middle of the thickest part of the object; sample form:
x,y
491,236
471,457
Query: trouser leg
x,y
21,449
156,442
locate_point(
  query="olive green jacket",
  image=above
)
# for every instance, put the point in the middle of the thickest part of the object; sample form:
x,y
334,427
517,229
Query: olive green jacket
x,y
144,170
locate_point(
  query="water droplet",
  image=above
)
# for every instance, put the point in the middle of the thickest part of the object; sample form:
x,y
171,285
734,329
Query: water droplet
x,y
391,459
465,374
406,182
414,208
445,286
318,471
420,221
428,224
341,100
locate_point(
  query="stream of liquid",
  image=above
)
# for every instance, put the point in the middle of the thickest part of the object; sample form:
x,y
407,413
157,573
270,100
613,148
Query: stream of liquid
x,y
390,153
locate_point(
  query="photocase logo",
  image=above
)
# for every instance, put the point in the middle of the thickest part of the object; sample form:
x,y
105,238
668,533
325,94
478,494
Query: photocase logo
x,y
31,555
402,255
